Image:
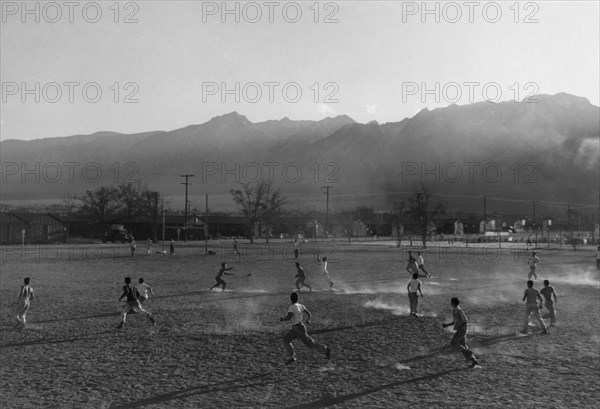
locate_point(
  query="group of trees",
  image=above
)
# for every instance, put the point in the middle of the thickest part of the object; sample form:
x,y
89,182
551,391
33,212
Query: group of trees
x,y
423,213
259,202
124,202
418,211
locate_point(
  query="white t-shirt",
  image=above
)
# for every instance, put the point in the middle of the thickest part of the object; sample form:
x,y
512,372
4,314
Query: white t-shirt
x,y
298,311
142,289
533,260
324,267
421,260
413,285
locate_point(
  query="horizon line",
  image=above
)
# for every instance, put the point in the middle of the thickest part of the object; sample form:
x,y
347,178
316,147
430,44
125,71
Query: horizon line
x,y
427,109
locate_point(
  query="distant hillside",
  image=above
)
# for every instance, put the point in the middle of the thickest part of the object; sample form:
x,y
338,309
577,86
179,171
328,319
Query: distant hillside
x,y
547,150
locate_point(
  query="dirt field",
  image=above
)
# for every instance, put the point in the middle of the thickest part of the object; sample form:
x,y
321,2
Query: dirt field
x,y
224,349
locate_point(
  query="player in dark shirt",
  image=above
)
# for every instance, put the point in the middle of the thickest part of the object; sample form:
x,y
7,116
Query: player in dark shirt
x,y
222,270
459,340
132,303
300,277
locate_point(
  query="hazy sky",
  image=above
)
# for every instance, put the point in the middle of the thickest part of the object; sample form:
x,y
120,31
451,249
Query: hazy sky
x,y
164,65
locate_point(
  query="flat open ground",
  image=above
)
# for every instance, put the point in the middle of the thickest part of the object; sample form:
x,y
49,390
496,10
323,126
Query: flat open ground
x,y
224,349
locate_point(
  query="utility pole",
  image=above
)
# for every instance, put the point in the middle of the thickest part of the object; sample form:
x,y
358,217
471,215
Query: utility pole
x,y
162,245
569,232
155,217
422,221
206,226
597,220
484,214
327,209
534,224
186,183
549,223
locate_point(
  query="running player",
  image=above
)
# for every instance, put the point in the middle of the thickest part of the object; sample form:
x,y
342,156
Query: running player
x,y
235,247
411,265
24,301
459,340
413,286
533,262
421,264
222,271
300,277
532,296
323,264
132,245
548,292
133,304
295,314
142,290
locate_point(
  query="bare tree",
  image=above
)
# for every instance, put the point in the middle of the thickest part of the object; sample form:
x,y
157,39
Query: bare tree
x,y
130,202
150,207
259,202
250,201
100,204
272,207
420,212
399,213
70,202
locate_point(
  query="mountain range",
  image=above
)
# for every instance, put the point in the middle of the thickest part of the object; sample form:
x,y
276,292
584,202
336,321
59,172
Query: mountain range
x,y
515,152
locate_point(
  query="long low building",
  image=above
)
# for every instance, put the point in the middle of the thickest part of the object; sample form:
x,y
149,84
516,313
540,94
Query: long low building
x,y
31,227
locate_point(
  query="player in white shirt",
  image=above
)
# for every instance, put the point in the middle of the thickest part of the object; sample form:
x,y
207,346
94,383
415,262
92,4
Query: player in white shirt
x,y
421,264
295,314
533,262
149,246
548,292
24,301
142,290
323,263
413,287
531,297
